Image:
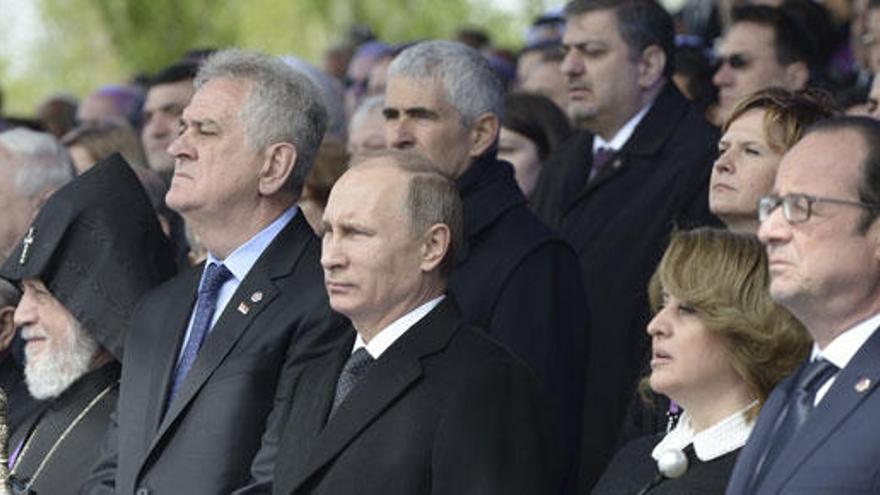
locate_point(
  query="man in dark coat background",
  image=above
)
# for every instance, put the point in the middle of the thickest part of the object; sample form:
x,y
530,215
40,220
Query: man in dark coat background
x,y
90,254
639,169
515,278
217,345
415,402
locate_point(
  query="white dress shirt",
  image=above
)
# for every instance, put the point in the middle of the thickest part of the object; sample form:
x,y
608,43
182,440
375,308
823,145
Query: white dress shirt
x,y
388,335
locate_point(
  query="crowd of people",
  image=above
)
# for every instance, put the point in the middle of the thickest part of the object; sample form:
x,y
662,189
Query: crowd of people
x,y
641,255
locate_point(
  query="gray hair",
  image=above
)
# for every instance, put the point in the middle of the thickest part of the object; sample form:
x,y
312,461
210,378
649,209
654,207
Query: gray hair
x,y
9,294
469,83
284,105
432,197
39,162
363,111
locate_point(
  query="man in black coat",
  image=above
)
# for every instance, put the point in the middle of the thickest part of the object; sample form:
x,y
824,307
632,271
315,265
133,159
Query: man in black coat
x,y
417,402
515,278
216,345
94,249
640,169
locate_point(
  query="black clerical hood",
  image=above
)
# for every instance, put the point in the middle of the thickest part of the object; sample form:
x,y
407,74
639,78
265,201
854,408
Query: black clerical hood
x,y
98,247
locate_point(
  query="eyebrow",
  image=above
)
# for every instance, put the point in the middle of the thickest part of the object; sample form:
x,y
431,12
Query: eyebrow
x,y
413,112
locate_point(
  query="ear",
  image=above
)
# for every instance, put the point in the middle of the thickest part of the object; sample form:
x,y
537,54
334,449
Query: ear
x,y
651,66
797,75
7,327
435,245
278,164
483,133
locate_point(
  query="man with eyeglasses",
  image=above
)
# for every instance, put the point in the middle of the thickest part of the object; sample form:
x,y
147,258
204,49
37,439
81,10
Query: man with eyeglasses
x,y
763,47
817,432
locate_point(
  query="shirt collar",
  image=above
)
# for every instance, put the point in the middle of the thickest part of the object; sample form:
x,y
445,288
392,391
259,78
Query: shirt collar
x,y
842,349
623,134
245,256
388,335
721,438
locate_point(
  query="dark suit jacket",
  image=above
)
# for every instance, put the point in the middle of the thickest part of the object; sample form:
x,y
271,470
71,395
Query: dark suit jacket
x,y
209,438
619,224
521,282
66,434
836,451
445,410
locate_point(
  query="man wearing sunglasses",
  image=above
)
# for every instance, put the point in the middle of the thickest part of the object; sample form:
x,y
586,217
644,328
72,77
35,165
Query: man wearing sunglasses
x,y
763,47
816,433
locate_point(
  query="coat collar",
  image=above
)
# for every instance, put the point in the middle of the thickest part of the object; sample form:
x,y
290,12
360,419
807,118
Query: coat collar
x,y
488,190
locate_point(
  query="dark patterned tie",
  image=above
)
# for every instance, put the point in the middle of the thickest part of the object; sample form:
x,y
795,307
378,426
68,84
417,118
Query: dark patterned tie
x,y
600,159
215,276
799,407
355,368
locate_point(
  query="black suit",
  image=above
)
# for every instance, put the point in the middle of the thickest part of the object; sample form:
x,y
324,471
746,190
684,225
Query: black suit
x,y
619,224
521,282
209,437
445,410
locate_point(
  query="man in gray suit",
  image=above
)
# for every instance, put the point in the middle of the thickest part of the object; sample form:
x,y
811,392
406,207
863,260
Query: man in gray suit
x,y
216,346
817,432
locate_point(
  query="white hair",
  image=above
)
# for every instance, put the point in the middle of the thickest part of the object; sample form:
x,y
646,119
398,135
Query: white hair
x,y
39,161
284,105
469,83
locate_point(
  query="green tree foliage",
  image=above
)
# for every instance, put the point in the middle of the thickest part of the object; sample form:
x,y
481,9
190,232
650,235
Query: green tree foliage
x,y
88,43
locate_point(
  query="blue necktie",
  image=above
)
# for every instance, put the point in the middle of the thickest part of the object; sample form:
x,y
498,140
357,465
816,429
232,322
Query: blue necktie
x,y
799,407
215,276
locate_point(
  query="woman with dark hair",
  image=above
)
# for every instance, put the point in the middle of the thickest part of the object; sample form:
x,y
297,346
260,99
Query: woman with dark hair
x,y
760,129
531,128
719,346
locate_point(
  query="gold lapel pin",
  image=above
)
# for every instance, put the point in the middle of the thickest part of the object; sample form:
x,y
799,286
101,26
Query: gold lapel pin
x,y
863,385
257,296
243,308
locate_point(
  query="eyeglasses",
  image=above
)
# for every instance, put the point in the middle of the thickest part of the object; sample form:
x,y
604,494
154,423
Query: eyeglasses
x,y
797,208
735,61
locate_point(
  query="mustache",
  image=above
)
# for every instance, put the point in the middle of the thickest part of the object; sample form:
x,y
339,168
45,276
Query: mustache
x,y
32,331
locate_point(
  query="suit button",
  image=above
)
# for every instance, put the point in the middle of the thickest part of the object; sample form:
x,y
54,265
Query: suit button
x,y
143,491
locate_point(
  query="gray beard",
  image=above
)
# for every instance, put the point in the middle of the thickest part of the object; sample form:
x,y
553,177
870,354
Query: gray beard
x,y
62,362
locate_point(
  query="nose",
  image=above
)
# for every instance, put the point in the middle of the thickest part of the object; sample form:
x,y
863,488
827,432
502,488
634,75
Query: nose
x,y
659,324
180,147
725,163
775,229
398,134
25,312
332,256
572,65
723,76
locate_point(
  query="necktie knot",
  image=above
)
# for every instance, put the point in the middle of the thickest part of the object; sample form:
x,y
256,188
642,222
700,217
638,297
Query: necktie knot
x,y
601,157
215,276
815,374
355,367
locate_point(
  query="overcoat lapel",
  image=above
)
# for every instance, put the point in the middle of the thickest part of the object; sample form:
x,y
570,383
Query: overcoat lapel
x,y
840,401
389,378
